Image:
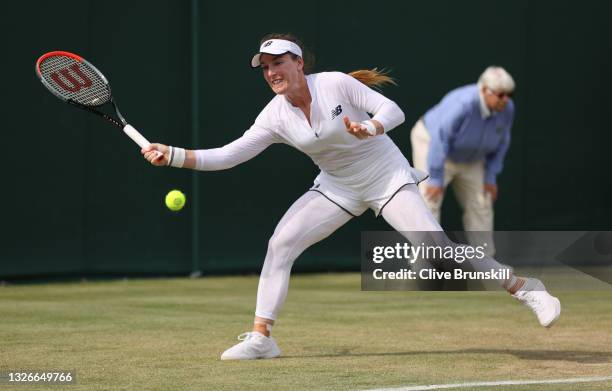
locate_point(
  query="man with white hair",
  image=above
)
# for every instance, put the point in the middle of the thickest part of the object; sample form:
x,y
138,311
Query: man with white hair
x,y
463,141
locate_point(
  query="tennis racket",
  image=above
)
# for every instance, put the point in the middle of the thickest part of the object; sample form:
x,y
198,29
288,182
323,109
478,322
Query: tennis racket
x,y
76,81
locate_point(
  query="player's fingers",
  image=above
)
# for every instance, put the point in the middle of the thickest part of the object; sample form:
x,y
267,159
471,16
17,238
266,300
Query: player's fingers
x,y
158,156
356,131
152,155
158,163
347,122
354,127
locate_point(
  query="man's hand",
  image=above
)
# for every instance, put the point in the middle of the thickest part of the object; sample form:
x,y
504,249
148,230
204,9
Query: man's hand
x,y
433,193
492,190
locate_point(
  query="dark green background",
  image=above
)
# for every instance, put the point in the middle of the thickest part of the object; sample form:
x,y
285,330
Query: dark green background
x,y
78,198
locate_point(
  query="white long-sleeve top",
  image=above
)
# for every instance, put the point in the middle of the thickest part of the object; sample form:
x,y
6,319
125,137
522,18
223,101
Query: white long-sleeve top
x,y
358,169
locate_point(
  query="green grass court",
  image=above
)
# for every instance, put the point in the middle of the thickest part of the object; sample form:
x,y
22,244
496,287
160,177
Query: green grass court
x,y
167,334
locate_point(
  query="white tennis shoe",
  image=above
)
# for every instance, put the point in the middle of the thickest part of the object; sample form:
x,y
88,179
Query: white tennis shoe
x,y
254,345
546,307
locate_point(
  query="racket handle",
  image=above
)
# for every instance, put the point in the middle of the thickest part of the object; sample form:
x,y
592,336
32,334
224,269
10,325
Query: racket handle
x,y
136,136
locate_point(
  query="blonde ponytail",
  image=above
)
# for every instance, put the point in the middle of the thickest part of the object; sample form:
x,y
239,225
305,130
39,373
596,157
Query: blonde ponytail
x,y
373,77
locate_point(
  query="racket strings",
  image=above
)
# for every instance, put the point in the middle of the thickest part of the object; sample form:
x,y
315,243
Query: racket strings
x,y
75,80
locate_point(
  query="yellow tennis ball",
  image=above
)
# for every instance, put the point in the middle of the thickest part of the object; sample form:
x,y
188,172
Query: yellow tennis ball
x,y
175,200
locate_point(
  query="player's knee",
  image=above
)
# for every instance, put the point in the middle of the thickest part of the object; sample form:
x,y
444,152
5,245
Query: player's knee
x,y
279,251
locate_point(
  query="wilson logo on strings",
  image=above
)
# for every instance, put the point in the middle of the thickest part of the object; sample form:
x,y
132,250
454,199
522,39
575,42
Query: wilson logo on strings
x,y
69,82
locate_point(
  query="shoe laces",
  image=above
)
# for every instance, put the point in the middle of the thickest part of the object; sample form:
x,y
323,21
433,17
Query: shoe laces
x,y
245,336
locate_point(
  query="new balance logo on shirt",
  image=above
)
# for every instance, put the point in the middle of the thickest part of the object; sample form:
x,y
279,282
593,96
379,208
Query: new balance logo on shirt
x,y
336,112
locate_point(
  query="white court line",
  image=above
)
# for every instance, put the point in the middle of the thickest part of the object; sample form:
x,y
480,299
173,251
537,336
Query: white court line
x,y
496,383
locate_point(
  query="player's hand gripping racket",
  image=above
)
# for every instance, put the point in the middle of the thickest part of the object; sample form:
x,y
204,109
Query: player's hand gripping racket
x,y
76,81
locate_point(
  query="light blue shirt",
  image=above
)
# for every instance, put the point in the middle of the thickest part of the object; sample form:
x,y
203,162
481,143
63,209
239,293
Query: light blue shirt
x,y
463,131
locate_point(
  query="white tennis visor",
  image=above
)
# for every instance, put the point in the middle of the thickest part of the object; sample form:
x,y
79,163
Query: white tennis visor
x,y
275,47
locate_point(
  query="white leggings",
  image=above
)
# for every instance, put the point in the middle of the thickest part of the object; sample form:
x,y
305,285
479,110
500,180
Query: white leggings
x,y
312,218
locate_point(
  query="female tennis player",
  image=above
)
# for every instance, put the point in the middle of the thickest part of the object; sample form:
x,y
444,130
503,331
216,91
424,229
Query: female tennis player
x,y
325,115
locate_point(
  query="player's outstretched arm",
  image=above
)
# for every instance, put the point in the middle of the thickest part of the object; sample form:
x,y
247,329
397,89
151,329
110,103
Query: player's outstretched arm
x,y
252,142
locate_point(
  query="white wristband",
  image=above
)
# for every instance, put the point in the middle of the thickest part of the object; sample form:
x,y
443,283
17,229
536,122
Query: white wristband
x,y
176,157
370,127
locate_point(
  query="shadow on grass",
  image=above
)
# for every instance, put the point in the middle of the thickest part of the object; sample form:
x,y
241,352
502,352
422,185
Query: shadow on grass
x,y
583,357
